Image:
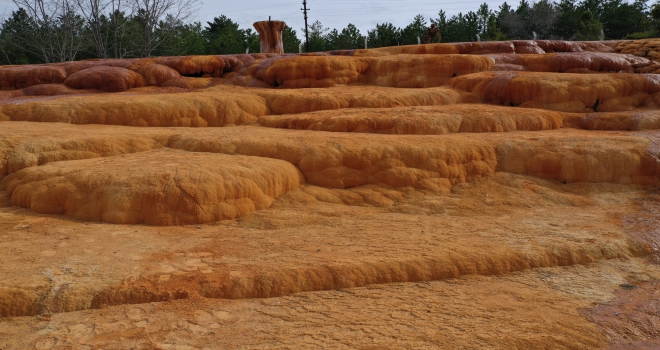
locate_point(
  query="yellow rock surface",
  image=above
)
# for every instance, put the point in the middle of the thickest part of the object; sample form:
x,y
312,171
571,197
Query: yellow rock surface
x,y
566,159
338,160
156,187
433,120
175,109
220,105
289,101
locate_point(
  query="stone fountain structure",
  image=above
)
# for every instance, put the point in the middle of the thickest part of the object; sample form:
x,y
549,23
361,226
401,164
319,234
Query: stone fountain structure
x,y
270,35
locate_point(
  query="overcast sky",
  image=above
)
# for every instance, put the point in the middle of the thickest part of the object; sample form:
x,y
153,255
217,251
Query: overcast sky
x,y
337,13
332,13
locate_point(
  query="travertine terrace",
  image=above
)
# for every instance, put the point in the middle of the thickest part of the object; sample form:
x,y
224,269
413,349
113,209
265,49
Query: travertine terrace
x,y
491,195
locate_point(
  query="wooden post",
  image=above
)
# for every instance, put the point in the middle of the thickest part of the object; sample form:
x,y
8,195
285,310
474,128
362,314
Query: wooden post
x,y
270,35
305,9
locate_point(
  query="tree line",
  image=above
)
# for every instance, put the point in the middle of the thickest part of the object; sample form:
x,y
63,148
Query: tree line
x,y
563,20
43,31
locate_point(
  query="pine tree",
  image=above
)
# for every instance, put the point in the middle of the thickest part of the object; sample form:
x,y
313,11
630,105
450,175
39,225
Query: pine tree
x,y
492,32
483,15
223,37
414,30
385,34
567,22
317,37
621,18
290,40
590,27
348,38
13,48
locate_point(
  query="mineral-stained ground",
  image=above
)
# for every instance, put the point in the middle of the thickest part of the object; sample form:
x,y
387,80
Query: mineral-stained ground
x,y
498,195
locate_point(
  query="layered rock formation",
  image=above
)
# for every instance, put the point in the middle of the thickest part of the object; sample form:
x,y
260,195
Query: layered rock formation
x,y
302,173
390,90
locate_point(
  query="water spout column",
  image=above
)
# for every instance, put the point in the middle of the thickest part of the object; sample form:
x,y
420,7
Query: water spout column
x,y
270,35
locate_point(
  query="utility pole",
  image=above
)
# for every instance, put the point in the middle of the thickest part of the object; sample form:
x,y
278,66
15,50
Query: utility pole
x,y
305,9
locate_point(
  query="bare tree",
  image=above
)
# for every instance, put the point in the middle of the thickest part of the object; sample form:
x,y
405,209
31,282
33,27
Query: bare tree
x,y
57,32
3,45
92,11
158,18
118,21
107,21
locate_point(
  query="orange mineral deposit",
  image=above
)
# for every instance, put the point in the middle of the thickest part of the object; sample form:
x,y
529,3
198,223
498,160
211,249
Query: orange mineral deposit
x,y
484,195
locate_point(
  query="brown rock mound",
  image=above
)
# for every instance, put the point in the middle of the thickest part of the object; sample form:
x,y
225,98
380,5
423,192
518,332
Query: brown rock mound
x,y
403,71
157,74
161,187
492,47
571,62
19,77
77,66
442,49
200,65
111,79
644,48
421,71
561,92
310,71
